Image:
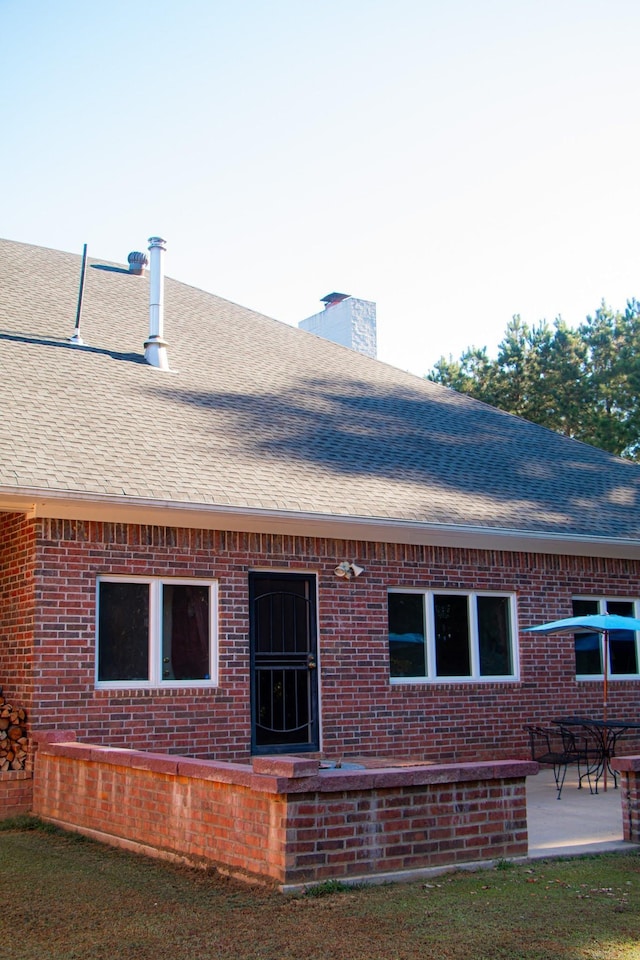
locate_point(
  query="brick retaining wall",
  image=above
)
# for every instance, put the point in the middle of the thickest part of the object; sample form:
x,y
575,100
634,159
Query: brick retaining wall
x,y
283,819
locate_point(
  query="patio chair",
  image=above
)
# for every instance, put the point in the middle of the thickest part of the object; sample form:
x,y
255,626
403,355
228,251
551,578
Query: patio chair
x,y
558,748
594,754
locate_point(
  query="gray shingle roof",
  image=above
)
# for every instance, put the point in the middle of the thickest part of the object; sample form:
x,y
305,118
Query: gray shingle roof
x,y
256,414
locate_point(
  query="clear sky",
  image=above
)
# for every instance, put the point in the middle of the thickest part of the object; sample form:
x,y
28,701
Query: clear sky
x,y
457,161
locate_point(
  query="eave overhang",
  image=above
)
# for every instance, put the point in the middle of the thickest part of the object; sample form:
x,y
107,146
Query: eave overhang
x,y
78,506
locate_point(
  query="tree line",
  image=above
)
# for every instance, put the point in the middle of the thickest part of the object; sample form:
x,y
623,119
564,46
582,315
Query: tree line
x,y
583,382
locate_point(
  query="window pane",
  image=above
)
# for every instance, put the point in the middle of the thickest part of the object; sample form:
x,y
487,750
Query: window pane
x,y
585,608
494,636
406,635
587,645
123,631
185,632
453,656
622,643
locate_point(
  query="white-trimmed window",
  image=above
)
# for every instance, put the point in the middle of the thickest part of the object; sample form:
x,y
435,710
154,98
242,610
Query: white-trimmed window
x,y
449,635
623,645
155,632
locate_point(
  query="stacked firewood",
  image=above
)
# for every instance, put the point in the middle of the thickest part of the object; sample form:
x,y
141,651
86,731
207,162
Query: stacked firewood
x,y
13,736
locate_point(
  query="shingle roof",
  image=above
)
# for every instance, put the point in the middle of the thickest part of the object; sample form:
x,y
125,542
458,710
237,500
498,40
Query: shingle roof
x,y
258,415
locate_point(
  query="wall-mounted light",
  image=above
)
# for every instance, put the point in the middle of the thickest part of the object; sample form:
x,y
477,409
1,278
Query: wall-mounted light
x,y
348,570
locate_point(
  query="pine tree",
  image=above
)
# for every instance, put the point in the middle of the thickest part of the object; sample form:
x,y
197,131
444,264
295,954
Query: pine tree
x,y
583,382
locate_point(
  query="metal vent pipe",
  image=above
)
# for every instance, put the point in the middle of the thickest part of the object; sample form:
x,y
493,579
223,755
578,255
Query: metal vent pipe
x,y
155,347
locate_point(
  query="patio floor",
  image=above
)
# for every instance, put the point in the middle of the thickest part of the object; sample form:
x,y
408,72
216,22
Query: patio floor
x,y
580,822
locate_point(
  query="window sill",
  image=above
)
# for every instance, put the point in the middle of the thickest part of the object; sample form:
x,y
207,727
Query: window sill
x,y
149,690
615,678
449,681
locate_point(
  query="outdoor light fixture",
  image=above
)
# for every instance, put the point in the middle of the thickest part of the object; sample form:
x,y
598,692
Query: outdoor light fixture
x,y
348,570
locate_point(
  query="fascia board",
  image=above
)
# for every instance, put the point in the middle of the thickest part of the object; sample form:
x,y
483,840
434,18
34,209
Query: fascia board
x,y
252,520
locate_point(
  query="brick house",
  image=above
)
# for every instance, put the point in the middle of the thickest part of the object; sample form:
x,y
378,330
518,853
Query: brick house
x,y
255,541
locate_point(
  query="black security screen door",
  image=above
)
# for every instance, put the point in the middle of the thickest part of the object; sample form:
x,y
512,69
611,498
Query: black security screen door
x,y
284,676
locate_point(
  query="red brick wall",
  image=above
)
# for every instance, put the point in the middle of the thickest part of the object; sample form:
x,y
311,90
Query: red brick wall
x,y
17,607
292,826
16,793
362,713
145,800
403,828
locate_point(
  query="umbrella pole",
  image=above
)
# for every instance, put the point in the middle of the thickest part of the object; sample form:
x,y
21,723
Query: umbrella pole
x,y
605,637
606,674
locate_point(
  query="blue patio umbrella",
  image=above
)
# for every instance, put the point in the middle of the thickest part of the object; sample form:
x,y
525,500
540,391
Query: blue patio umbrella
x,y
603,623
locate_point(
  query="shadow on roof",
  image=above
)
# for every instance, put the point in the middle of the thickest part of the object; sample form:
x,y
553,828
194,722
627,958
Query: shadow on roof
x,y
466,451
66,345
109,269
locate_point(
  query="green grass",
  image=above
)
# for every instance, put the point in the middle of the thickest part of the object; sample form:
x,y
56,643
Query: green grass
x,y
66,898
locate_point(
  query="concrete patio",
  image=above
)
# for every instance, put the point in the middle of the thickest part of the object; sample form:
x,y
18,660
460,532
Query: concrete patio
x,y
580,822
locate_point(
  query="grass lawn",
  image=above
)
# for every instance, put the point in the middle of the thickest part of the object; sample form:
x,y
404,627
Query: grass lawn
x,y
66,898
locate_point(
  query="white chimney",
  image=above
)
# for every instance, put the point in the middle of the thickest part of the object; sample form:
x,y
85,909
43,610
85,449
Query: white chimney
x,y
347,321
155,348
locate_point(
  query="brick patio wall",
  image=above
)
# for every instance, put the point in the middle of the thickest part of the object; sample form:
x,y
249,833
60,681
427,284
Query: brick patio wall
x,y
629,770
47,641
16,793
283,820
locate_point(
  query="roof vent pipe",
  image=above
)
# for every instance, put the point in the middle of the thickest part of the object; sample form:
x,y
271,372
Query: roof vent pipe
x,y
155,348
76,339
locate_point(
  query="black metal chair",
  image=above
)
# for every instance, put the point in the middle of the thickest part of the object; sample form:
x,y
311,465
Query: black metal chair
x,y
595,747
558,748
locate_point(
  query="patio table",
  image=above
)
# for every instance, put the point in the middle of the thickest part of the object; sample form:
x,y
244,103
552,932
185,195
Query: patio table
x,y
605,735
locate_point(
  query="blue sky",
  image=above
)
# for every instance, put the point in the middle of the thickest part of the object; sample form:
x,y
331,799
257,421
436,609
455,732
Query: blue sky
x,y
455,161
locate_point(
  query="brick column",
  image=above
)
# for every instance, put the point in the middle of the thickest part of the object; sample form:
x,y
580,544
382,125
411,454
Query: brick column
x,y
629,770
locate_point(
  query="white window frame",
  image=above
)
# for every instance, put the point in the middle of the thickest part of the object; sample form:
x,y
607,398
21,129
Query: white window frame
x,y
430,637
602,608
155,680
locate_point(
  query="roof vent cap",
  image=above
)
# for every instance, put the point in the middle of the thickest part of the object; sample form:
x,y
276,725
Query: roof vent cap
x,y
137,262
